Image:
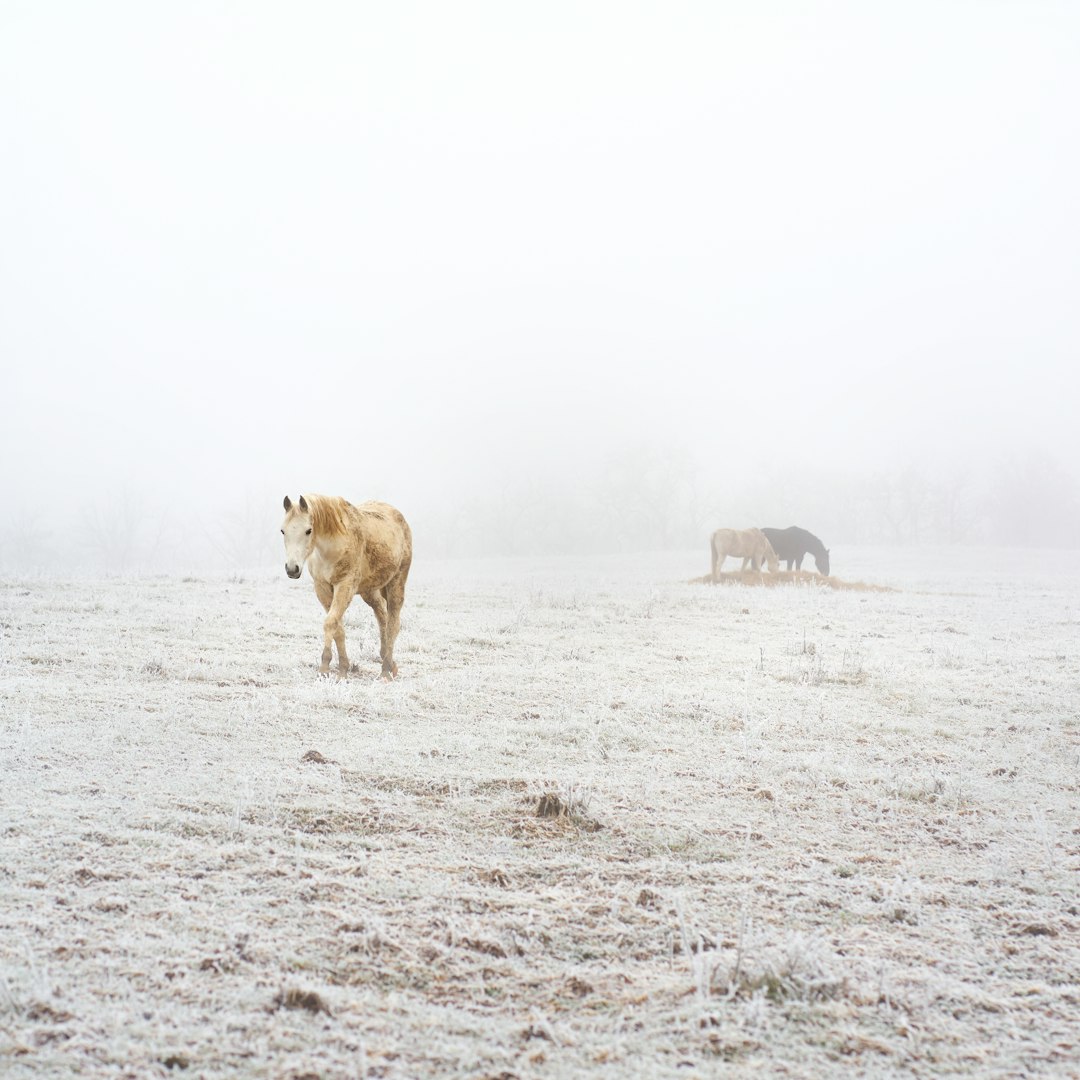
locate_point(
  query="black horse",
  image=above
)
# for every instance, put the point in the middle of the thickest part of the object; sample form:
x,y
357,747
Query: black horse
x,y
792,544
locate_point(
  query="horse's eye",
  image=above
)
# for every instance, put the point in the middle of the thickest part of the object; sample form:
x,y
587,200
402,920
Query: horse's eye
x,y
308,533
282,532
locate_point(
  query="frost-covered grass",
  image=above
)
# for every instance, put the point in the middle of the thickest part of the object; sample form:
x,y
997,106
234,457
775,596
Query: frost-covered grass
x,y
805,830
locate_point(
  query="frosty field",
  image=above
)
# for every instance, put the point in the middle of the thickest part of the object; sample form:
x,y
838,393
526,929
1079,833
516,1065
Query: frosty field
x,y
806,831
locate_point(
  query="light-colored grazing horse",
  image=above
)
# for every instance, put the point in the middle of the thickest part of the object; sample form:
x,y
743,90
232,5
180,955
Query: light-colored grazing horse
x,y
364,551
751,545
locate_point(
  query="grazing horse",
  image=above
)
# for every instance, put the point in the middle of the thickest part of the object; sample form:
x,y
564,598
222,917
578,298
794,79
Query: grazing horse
x,y
751,545
363,550
792,545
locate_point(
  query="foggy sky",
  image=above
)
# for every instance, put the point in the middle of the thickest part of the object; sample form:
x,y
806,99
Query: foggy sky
x,y
426,251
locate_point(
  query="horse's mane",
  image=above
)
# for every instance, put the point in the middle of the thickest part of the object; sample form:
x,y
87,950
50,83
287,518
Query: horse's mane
x,y
813,544
328,514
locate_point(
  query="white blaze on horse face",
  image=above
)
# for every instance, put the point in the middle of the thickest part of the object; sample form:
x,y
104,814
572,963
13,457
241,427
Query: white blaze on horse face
x,y
296,528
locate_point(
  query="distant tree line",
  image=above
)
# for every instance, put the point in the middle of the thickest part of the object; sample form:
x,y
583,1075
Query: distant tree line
x,y
655,501
639,500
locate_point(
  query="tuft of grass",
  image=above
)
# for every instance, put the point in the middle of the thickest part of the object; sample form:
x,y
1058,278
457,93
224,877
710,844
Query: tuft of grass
x,y
569,807
791,977
294,998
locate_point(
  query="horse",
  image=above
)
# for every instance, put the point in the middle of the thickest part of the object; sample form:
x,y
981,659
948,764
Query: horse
x,y
749,544
792,545
363,551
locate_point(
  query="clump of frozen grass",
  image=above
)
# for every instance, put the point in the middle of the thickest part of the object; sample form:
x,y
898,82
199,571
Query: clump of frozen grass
x,y
574,600
944,656
516,621
797,968
295,998
570,804
851,664
808,666
651,605
369,936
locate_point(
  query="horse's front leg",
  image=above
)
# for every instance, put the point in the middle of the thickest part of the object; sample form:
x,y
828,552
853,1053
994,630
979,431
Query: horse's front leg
x,y
325,592
334,628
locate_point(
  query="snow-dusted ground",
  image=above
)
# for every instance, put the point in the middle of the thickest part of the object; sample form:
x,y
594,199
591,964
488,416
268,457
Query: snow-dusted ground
x,y
810,831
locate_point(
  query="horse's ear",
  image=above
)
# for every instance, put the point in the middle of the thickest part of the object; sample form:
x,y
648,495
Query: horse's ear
x,y
288,503
303,504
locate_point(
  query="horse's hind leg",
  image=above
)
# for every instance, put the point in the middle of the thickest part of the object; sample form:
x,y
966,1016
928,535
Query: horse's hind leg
x,y
376,600
395,597
718,565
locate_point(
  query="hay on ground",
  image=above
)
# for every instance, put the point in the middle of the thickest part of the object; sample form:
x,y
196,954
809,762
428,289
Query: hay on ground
x,y
787,577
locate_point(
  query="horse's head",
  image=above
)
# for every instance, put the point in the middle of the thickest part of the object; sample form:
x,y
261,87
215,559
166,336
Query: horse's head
x,y
823,563
771,561
296,528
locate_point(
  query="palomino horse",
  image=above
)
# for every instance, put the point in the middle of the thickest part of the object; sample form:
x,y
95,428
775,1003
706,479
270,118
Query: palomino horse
x,y
363,550
792,544
751,545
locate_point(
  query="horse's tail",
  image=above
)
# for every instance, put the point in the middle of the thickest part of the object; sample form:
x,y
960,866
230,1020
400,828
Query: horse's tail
x,y
713,552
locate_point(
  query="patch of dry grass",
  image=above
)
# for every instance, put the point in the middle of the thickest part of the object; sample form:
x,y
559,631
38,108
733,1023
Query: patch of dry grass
x,y
786,577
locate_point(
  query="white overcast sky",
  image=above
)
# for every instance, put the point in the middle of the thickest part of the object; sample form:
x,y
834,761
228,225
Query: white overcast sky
x,y
409,250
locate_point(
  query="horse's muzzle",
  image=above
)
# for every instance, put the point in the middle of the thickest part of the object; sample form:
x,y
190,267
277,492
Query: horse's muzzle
x,y
292,571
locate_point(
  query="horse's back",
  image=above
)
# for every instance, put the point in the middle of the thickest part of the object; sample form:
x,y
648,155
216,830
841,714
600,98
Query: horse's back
x,y
738,541
760,543
806,539
374,510
386,537
794,542
784,538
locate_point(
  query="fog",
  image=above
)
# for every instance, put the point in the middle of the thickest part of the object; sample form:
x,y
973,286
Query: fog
x,y
549,278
